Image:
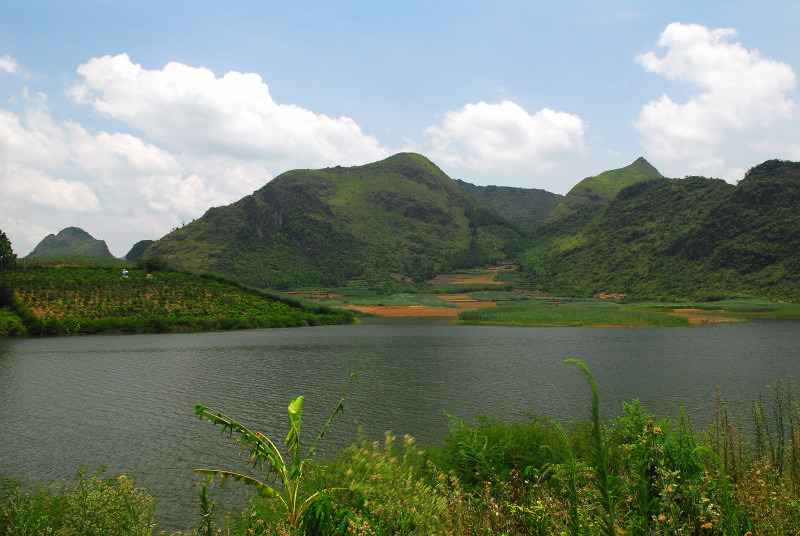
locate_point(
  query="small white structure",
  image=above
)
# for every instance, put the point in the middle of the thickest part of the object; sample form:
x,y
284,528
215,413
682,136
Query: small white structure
x,y
124,272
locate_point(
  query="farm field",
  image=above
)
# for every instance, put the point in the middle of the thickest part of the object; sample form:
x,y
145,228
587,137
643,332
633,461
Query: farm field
x,y
59,299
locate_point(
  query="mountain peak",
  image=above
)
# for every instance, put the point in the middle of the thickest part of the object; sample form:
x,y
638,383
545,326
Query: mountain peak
x,y
603,188
71,241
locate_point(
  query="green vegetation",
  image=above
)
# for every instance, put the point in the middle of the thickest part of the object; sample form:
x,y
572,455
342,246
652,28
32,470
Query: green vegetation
x,y
59,299
87,506
563,312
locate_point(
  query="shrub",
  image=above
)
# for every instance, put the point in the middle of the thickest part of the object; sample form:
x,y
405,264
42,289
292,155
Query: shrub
x,y
88,506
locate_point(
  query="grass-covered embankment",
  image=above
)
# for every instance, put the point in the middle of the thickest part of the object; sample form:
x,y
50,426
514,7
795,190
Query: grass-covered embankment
x,y
68,299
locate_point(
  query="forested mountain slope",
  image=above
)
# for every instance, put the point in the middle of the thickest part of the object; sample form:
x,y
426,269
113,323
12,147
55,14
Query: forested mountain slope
x,y
525,208
401,215
667,238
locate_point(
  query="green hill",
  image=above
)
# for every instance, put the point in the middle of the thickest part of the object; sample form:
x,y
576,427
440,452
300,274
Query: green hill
x,y
602,189
524,208
138,249
692,237
71,241
401,216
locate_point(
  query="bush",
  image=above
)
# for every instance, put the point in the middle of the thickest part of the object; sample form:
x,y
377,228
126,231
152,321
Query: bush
x,y
493,448
10,324
392,489
88,506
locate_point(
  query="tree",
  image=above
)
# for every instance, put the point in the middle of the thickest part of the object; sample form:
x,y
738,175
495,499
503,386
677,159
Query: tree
x,y
7,256
7,260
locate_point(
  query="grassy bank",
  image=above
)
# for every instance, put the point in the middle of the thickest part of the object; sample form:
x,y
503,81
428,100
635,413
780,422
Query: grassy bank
x,y
571,313
70,299
637,473
600,313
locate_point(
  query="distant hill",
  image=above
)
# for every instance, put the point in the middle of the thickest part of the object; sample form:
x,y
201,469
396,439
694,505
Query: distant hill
x,y
138,249
71,241
601,189
525,208
692,237
398,218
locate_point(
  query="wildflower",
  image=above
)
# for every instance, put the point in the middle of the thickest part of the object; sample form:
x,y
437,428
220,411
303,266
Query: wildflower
x,y
662,518
656,430
707,526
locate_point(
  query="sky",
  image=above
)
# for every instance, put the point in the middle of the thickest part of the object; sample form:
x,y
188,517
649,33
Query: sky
x,y
129,119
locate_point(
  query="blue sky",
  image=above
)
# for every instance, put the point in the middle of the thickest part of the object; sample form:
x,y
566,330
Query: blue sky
x,y
128,118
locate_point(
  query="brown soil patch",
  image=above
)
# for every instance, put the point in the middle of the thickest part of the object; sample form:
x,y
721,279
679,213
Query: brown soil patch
x,y
701,316
406,311
465,302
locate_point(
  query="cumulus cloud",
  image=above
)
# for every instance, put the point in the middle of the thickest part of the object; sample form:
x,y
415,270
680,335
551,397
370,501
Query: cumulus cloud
x,y
196,113
503,138
736,94
188,140
58,174
32,186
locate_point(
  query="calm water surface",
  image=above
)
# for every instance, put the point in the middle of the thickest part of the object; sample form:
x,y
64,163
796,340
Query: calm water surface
x,y
125,402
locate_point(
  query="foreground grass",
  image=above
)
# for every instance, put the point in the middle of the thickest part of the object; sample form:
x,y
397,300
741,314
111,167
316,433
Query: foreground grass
x,y
572,313
637,473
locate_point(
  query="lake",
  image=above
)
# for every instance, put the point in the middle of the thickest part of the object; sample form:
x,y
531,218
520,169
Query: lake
x,y
126,402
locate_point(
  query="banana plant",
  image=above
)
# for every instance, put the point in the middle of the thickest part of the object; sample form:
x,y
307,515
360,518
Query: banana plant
x,y
265,455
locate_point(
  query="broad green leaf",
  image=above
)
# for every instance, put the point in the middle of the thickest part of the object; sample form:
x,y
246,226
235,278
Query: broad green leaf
x,y
261,488
293,437
261,448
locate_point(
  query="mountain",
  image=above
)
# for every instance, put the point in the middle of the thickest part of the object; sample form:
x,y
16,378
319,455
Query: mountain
x,y
525,208
692,237
68,242
601,189
138,249
401,217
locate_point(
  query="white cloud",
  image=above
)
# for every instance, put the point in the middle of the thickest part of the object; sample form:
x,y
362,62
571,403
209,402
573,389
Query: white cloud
x,y
504,139
196,113
737,94
9,65
206,142
32,186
